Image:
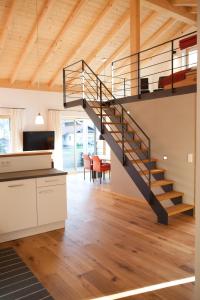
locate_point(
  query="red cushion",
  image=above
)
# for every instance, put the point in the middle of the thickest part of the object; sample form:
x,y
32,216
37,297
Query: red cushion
x,y
188,42
178,76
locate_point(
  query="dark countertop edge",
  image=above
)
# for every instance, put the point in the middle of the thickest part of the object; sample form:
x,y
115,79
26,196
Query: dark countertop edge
x,y
31,176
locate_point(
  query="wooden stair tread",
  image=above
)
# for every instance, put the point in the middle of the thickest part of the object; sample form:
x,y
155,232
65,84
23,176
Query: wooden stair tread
x,y
145,161
163,182
179,208
134,150
114,123
113,131
169,195
153,171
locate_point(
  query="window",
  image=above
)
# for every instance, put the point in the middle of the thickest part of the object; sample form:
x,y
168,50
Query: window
x,y
192,58
4,134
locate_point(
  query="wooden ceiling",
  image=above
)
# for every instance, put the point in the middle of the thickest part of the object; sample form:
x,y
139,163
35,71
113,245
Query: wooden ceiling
x,y
39,37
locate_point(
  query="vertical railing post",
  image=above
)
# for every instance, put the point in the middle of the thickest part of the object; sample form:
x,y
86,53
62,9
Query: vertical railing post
x,y
138,75
113,78
124,87
123,148
149,156
83,80
101,108
64,88
97,89
172,64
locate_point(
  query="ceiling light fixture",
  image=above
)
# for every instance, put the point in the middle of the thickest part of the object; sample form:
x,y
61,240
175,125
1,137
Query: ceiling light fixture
x,y
39,120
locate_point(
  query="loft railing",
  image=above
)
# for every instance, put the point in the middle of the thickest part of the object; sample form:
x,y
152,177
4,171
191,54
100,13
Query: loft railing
x,y
81,82
156,68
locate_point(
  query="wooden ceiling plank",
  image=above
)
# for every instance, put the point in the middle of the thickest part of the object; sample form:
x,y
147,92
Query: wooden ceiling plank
x,y
115,28
7,24
158,33
71,18
166,7
117,52
192,10
147,21
31,39
184,2
76,48
108,36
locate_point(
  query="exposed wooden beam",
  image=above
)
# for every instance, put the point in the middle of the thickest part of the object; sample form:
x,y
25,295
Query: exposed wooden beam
x,y
184,2
25,85
7,23
134,26
32,37
134,42
170,10
71,18
88,33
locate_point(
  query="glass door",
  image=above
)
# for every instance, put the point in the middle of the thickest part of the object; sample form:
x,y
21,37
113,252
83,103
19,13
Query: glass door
x,y
78,136
68,142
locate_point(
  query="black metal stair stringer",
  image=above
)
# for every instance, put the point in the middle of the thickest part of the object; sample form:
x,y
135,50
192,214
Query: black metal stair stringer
x,y
149,196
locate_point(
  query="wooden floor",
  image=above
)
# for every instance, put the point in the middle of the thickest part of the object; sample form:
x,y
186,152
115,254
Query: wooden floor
x,y
110,245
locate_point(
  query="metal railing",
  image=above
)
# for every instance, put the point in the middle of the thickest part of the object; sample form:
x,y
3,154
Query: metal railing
x,y
81,82
146,71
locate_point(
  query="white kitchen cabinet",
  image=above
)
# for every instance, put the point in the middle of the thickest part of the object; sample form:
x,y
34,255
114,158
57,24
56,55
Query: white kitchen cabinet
x,y
51,199
17,205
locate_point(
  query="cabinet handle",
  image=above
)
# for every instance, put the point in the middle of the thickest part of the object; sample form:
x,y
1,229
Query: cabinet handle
x,y
46,192
15,185
53,180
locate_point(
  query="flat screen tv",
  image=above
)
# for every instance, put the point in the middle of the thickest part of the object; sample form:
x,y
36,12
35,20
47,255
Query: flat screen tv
x,y
38,140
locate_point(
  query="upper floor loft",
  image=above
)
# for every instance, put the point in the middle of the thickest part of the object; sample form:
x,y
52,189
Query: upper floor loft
x,y
163,70
40,37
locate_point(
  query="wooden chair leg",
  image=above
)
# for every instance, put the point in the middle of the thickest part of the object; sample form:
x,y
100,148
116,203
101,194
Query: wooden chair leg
x,y
100,177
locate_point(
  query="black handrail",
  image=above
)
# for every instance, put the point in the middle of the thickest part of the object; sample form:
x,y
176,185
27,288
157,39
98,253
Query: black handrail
x,y
156,46
98,88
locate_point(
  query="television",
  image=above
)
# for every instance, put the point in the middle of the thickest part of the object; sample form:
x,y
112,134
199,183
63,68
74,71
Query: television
x,y
38,140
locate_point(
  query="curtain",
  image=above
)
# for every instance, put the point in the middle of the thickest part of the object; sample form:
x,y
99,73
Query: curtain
x,y
54,123
17,126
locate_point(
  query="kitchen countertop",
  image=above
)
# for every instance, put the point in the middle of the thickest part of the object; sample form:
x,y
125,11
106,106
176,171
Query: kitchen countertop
x,y
8,176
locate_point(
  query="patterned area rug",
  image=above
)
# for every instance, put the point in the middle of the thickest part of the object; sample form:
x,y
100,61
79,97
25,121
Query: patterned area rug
x,y
17,282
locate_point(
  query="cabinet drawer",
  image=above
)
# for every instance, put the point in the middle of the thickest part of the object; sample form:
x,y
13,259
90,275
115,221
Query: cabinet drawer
x,y
51,180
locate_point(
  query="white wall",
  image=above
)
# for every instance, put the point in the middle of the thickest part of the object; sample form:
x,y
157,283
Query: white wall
x,y
35,102
170,123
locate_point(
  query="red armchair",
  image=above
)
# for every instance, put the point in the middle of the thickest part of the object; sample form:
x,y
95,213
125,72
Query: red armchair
x,y
87,165
100,167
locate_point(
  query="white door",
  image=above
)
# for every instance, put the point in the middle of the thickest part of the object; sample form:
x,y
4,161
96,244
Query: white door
x,y
17,205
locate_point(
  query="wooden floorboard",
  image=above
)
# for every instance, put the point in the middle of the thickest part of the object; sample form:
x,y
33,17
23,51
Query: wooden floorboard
x,y
111,244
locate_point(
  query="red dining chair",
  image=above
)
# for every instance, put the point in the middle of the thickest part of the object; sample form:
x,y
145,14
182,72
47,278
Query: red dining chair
x,y
87,165
100,167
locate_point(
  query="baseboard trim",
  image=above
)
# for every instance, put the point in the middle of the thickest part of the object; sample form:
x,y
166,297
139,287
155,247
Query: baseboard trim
x,y
30,231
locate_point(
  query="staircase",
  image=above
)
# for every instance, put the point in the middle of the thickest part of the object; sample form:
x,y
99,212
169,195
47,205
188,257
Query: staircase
x,y
126,138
